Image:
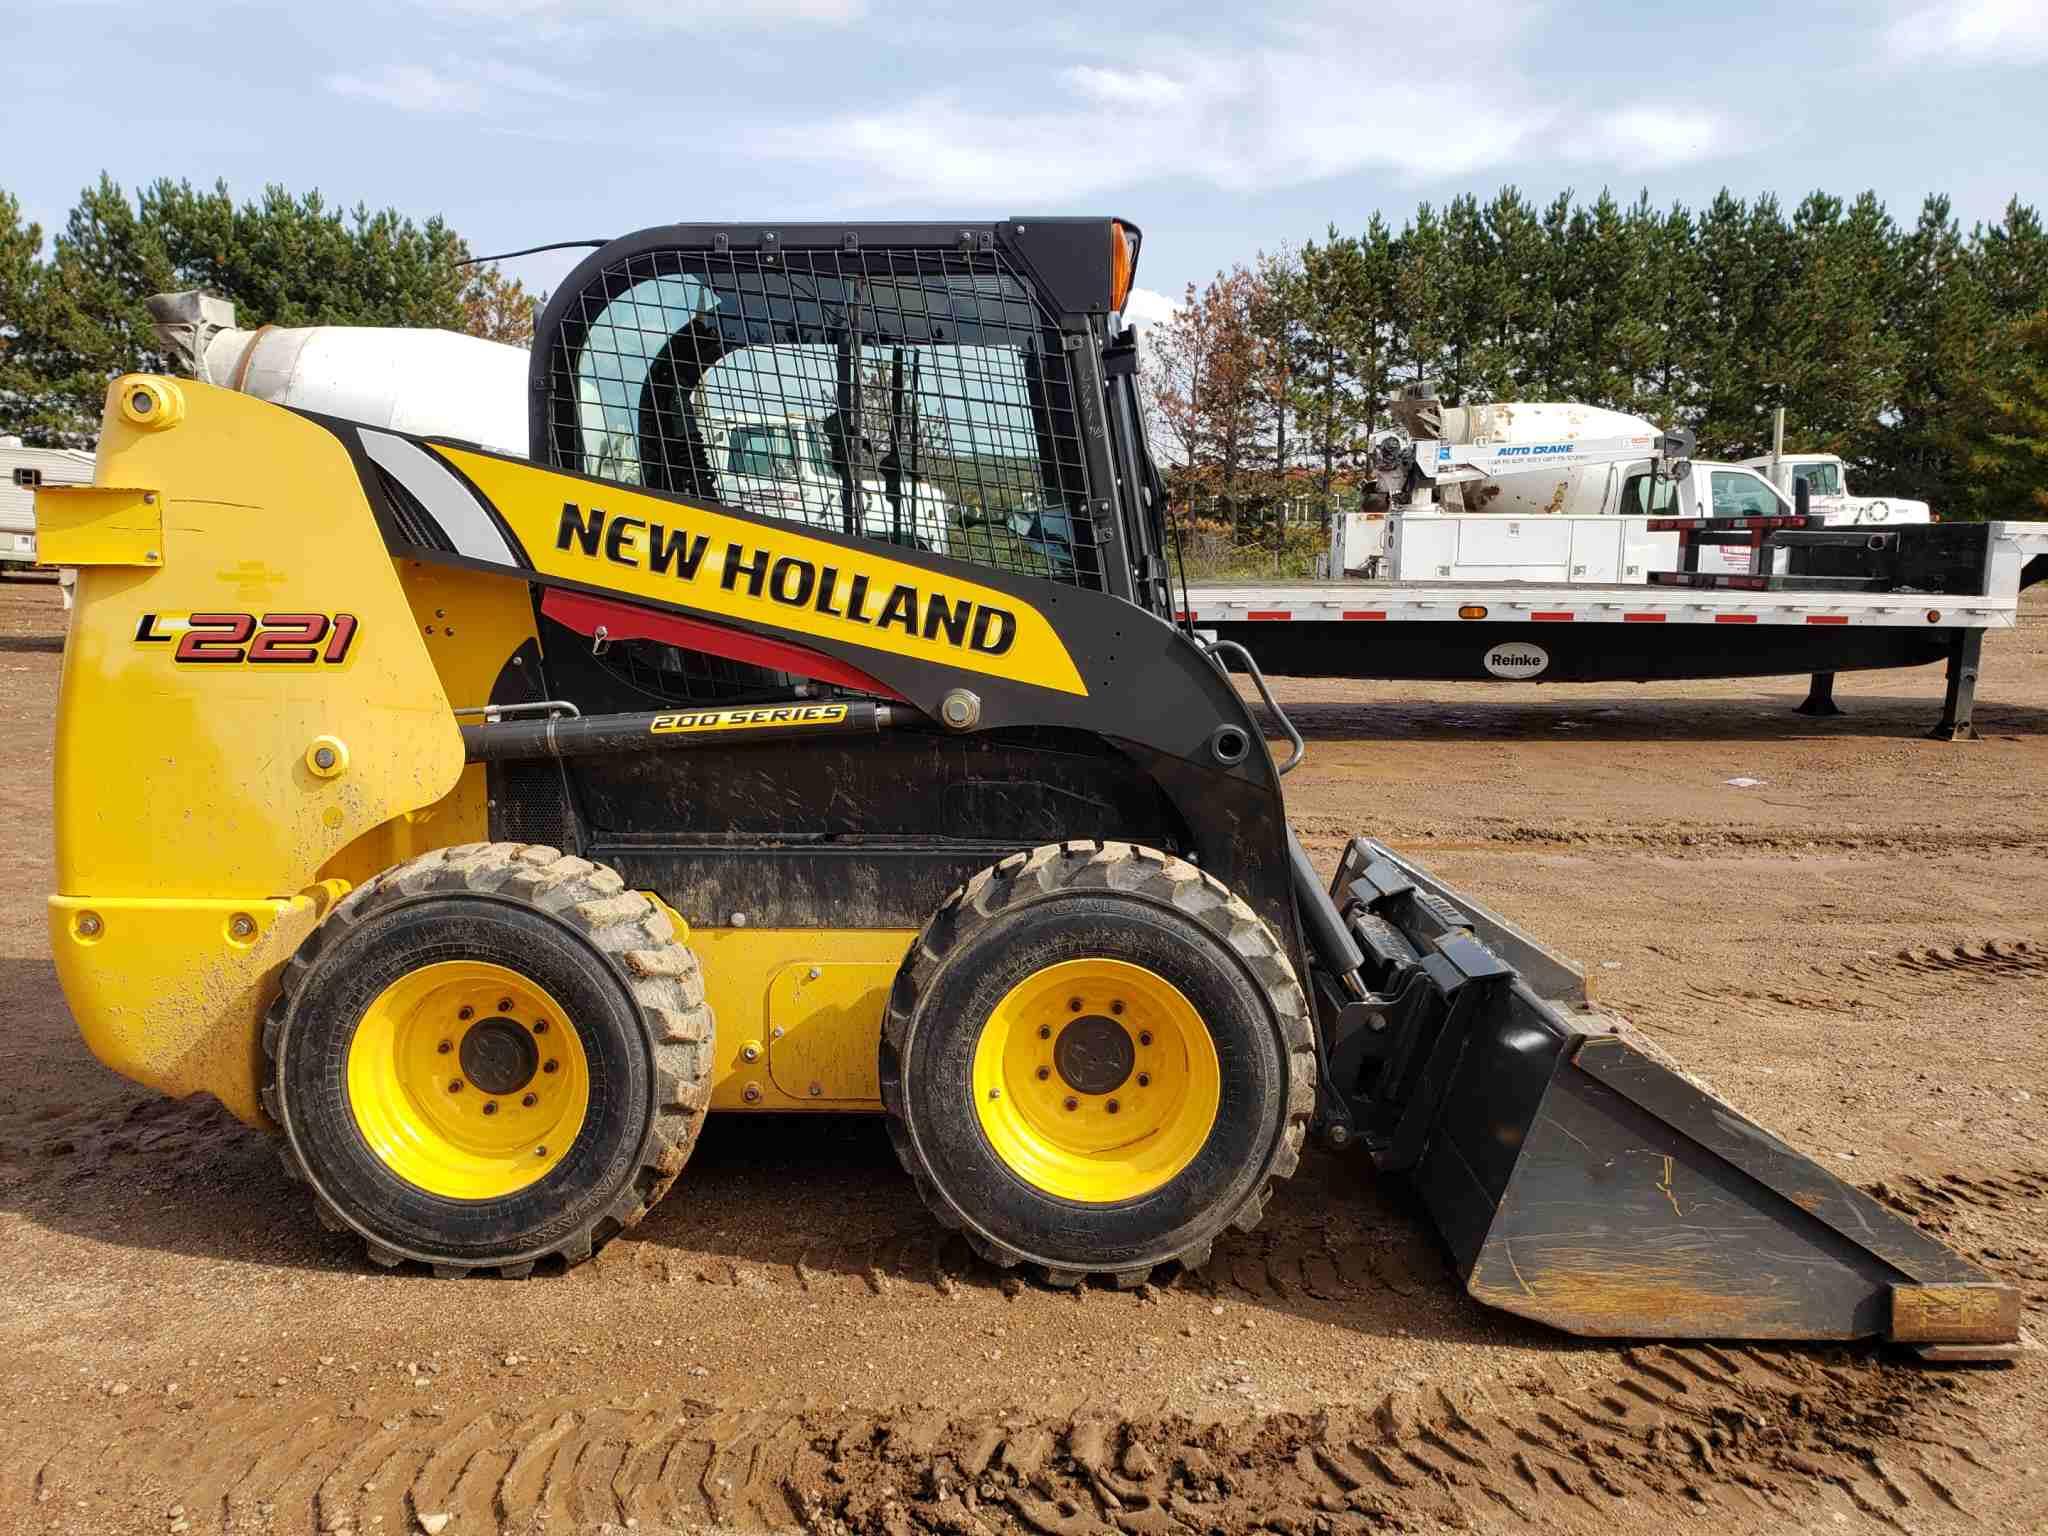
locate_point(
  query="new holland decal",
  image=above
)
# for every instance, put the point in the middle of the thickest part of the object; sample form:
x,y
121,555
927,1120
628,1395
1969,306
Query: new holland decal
x,y
790,580
619,540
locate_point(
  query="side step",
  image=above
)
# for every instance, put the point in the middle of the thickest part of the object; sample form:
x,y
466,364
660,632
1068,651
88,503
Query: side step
x,y
1582,1181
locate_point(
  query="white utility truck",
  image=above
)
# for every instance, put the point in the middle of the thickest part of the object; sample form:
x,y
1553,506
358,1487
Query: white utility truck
x,y
1827,482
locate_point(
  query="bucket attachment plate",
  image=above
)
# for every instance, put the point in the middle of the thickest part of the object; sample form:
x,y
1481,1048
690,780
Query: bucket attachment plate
x,y
1581,1181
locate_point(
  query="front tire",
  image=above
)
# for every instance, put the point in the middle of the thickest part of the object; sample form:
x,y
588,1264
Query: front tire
x,y
1095,1059
487,1056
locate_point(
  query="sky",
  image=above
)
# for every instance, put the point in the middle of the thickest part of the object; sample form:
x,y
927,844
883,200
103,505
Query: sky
x,y
1220,129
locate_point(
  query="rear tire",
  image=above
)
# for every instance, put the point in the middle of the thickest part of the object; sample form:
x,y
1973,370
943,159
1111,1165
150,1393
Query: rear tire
x,y
487,1056
1095,1059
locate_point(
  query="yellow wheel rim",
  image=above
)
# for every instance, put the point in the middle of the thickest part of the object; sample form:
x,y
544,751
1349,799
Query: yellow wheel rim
x,y
468,1080
1096,1080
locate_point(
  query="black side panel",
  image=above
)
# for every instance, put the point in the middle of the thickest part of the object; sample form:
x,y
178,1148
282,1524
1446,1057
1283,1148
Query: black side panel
x,y
870,831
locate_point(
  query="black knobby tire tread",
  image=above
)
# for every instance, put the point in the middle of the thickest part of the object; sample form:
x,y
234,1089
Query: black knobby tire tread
x,y
660,973
1127,868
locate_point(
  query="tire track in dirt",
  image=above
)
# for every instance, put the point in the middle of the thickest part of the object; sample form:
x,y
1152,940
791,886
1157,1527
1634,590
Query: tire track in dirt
x,y
1749,1436
1481,834
1907,977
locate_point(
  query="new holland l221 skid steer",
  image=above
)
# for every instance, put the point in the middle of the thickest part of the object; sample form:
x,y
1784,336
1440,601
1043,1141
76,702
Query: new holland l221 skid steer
x,y
428,804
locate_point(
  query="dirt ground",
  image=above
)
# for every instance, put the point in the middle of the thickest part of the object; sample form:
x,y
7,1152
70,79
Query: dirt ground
x,y
1853,948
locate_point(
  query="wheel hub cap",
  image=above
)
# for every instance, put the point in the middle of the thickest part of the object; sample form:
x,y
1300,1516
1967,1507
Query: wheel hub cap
x,y
499,1056
1094,1055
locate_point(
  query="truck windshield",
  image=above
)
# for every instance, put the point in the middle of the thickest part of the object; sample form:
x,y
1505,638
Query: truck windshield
x,y
1821,479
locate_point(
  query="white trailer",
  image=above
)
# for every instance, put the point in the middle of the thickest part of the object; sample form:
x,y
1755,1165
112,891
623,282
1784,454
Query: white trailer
x,y
1959,581
21,471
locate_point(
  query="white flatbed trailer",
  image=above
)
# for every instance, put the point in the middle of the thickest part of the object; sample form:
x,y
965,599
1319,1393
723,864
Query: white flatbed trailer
x,y
1576,632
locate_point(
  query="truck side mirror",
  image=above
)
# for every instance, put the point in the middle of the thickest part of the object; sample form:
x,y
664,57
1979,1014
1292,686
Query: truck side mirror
x,y
1802,495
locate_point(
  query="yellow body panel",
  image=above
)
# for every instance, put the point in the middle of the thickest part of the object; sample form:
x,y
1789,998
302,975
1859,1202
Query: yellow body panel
x,y
171,994
758,980
473,624
98,525
756,571
187,790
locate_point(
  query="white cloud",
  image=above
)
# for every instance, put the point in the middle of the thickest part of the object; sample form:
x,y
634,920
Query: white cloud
x,y
1653,137
1147,307
1970,32
1123,87
455,91
656,13
1278,102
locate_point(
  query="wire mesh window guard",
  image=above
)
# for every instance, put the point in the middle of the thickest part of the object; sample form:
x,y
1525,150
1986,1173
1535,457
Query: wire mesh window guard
x,y
915,395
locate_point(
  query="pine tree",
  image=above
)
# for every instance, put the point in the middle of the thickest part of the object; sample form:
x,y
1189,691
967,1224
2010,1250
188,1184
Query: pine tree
x,y
2005,436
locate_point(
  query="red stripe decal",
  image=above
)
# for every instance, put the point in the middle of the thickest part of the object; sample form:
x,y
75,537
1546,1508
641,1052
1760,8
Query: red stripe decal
x,y
1269,613
1734,618
1365,613
625,621
1642,618
1551,618
1827,618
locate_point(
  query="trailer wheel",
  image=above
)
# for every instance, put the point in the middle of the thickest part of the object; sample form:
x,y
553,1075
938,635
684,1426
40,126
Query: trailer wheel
x,y
1095,1059
490,1055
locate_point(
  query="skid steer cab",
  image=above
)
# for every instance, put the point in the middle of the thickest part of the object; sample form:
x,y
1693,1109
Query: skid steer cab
x,y
802,724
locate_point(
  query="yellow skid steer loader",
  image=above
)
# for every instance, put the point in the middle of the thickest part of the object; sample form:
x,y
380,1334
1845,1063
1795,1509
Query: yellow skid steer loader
x,y
817,671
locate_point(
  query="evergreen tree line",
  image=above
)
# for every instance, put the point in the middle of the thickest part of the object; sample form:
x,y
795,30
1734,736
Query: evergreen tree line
x,y
1918,352
71,308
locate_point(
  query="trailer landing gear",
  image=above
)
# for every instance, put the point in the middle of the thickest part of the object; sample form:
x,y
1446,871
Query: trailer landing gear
x,y
1965,654
1820,697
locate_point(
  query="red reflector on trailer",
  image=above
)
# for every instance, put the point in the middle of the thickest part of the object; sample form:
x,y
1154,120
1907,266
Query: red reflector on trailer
x,y
1642,618
1551,618
1269,613
1827,618
1734,618
1365,613
1183,618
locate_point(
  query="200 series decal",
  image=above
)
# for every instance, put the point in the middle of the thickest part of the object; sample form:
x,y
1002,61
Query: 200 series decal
x,y
235,639
748,719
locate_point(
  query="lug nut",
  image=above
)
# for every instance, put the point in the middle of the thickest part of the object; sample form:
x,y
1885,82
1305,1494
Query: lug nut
x,y
445,1047
1073,1103
530,1100
1044,1073
1144,1037
1144,1079
1073,1005
1045,1031
995,1093
1112,1106
540,1026
540,1151
456,1086
465,1013
549,1065
1117,1007
504,1005
490,1106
